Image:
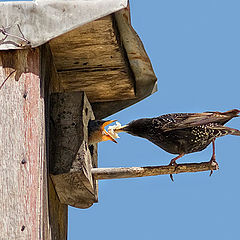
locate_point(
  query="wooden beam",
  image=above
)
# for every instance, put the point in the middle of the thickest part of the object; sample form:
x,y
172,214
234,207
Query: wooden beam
x,y
71,159
22,148
56,213
132,172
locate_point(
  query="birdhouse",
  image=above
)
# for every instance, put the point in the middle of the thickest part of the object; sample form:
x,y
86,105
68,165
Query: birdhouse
x,y
63,63
64,66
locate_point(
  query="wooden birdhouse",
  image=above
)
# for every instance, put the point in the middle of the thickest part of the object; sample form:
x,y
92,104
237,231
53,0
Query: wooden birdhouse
x,y
62,63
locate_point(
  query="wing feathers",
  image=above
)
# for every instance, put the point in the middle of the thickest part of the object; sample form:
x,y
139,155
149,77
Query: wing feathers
x,y
186,120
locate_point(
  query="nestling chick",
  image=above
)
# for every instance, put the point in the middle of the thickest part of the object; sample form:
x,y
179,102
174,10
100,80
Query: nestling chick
x,y
97,133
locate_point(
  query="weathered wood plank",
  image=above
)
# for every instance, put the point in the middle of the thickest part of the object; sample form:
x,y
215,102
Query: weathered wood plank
x,y
91,59
99,86
24,198
22,146
56,213
92,45
71,160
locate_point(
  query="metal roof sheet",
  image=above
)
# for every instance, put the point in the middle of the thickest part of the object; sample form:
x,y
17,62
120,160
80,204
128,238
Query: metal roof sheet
x,y
33,23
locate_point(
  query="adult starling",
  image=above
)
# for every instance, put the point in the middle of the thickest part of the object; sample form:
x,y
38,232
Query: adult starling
x,y
183,133
97,133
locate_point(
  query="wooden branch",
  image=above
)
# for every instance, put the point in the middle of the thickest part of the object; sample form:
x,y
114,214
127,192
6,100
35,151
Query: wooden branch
x,y
132,172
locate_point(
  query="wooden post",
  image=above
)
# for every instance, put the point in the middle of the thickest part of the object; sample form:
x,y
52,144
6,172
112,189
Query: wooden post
x,y
28,208
57,214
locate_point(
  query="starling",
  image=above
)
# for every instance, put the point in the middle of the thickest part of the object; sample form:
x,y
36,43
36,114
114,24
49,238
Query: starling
x,y
183,133
97,133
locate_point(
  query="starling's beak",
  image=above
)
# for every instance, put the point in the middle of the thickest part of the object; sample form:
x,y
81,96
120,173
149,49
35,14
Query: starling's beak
x,y
120,129
105,134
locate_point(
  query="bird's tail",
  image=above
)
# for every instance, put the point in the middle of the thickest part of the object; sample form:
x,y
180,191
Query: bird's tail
x,y
234,132
232,113
226,131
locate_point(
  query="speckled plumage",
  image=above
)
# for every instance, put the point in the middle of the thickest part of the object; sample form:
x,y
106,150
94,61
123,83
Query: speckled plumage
x,y
183,133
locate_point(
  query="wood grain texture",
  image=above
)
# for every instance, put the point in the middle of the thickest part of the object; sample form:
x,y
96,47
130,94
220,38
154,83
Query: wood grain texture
x,y
58,214
91,59
22,146
55,217
71,160
132,172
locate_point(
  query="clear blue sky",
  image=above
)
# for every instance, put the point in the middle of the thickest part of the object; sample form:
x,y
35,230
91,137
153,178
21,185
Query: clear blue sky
x,y
194,47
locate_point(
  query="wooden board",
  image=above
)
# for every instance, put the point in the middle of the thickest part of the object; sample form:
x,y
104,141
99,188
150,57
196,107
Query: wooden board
x,y
91,59
22,147
56,213
29,206
71,159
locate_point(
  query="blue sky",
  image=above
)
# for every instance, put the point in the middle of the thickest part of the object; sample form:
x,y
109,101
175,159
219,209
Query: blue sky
x,y
194,47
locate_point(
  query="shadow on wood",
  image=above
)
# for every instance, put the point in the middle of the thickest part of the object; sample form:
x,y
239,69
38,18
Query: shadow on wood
x,y
71,160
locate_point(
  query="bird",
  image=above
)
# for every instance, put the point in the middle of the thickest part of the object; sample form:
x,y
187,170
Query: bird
x,y
183,133
97,132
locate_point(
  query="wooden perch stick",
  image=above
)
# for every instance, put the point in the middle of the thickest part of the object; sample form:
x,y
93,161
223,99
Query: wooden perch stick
x,y
132,172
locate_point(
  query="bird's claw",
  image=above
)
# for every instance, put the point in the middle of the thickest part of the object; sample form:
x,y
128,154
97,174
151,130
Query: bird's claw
x,y
213,162
173,163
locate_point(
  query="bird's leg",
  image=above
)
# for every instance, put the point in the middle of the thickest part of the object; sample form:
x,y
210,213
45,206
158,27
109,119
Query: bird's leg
x,y
213,158
173,163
